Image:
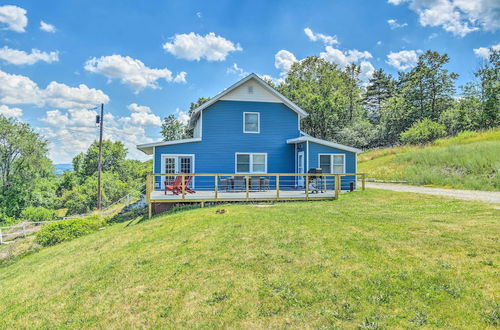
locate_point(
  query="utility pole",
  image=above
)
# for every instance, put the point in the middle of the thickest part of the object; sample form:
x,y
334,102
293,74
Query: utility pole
x,y
99,164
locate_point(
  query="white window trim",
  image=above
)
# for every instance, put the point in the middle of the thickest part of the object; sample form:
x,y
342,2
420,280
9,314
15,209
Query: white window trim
x,y
251,162
258,122
331,161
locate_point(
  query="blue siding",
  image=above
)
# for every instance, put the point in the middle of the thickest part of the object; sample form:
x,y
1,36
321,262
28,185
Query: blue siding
x,y
222,137
350,160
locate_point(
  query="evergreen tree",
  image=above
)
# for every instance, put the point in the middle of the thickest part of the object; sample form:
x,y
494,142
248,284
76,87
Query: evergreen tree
x,y
381,86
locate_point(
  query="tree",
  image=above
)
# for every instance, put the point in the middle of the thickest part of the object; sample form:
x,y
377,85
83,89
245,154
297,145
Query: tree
x,y
395,117
353,90
429,87
321,88
489,90
381,87
23,161
173,129
113,154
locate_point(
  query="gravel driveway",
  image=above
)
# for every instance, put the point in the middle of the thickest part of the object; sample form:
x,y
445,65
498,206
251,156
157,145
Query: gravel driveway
x,y
476,195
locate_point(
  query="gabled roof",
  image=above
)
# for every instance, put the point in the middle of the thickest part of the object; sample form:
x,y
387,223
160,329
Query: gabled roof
x,y
323,142
261,82
147,148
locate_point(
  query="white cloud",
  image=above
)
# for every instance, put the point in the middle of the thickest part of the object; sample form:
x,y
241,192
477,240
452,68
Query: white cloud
x,y
73,131
283,61
484,52
47,27
17,89
379,43
235,69
134,107
142,115
199,14
10,112
344,58
393,24
341,58
63,96
328,40
183,116
14,18
459,17
195,47
20,57
366,71
181,77
403,60
131,72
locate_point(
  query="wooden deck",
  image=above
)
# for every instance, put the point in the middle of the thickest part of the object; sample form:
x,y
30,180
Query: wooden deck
x,y
159,196
278,187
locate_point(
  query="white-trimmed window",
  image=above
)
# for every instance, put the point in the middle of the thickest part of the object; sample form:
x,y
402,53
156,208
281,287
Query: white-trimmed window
x,y
251,163
332,163
251,122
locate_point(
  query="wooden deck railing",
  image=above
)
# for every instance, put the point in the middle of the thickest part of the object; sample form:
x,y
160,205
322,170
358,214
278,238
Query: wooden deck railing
x,y
285,186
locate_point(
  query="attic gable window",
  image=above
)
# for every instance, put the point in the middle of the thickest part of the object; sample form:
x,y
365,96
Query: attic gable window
x,y
251,122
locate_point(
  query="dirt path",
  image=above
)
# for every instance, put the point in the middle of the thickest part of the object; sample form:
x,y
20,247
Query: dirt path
x,y
477,195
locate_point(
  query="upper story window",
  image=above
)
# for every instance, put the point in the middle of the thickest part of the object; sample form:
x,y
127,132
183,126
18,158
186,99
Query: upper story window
x,y
332,163
251,122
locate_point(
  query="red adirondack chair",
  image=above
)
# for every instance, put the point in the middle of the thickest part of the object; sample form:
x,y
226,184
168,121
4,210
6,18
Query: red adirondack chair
x,y
176,186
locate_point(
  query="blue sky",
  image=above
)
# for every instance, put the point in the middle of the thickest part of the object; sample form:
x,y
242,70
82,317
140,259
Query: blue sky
x,y
148,59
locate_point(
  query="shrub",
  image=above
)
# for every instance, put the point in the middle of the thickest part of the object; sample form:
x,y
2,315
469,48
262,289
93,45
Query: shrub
x,y
38,214
423,131
66,230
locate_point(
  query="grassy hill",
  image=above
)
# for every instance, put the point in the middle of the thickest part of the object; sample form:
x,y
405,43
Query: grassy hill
x,y
470,160
372,259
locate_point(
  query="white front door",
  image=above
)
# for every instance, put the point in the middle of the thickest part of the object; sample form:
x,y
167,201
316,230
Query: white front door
x,y
300,168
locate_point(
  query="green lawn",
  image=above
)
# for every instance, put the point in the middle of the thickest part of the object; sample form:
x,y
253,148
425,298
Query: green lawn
x,y
470,160
371,259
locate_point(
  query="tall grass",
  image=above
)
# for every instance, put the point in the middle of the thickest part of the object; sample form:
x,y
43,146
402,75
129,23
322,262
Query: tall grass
x,y
470,160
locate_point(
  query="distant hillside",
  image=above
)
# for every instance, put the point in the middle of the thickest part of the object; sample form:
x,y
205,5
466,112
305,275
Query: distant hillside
x,y
61,168
470,160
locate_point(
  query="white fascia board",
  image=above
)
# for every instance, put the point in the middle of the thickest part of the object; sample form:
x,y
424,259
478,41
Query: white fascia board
x,y
324,142
147,148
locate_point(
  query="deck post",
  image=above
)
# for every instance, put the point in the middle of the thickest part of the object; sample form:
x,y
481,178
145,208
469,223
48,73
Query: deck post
x,y
150,210
277,186
1,236
24,230
183,185
148,187
247,190
307,187
363,182
216,185
337,186
324,183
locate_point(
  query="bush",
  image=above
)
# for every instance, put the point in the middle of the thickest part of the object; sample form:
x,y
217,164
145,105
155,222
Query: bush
x,y
423,131
38,214
66,230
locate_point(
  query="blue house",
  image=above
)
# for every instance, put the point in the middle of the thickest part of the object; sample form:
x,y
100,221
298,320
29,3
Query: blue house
x,y
250,128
